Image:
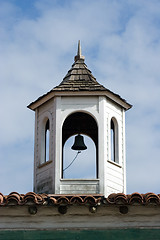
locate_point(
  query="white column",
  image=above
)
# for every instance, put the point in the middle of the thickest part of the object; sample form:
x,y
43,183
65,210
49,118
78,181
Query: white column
x,y
35,149
101,144
124,153
58,145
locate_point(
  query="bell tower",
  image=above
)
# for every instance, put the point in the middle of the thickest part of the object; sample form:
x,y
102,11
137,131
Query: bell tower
x,y
82,110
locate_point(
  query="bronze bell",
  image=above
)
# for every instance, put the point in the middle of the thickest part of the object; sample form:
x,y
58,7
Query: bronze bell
x,y
79,143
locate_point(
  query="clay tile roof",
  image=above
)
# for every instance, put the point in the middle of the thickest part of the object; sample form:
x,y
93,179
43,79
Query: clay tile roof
x,y
152,198
15,198
117,198
32,197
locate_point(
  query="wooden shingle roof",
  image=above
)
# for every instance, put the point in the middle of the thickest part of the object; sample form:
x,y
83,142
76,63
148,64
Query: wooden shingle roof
x,y
79,80
79,77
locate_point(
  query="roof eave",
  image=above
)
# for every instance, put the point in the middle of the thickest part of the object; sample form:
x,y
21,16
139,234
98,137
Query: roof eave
x,y
41,100
112,96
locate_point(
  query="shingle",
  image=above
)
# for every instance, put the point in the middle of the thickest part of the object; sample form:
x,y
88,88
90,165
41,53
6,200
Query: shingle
x,y
79,71
79,78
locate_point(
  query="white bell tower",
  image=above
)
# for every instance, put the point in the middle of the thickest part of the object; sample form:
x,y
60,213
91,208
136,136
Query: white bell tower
x,y
80,105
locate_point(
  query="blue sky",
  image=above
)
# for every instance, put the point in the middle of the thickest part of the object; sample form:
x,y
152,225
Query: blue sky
x,y
121,44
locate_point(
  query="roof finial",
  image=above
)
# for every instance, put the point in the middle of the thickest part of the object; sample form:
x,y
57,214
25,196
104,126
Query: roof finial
x,y
79,49
79,56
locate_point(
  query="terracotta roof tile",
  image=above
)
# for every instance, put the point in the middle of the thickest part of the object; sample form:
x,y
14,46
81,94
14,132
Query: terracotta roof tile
x,y
15,198
116,198
152,198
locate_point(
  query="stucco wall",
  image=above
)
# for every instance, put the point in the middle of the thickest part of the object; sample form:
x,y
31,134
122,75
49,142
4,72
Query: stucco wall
x,y
79,217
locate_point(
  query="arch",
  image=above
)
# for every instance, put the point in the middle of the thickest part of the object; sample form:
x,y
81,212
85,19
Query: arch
x,y
45,140
80,123
80,111
114,148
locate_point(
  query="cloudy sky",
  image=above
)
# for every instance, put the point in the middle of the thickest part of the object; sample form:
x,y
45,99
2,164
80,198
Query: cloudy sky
x,y
121,43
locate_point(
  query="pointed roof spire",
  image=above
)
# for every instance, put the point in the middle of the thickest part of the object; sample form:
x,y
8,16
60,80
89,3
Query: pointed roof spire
x,y
79,79
79,55
79,48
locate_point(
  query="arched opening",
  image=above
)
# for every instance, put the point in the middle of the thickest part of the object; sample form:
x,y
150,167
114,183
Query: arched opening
x,y
47,136
114,140
45,141
85,165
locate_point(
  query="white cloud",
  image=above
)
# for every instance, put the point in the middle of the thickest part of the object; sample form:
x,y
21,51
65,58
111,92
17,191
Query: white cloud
x,y
120,41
